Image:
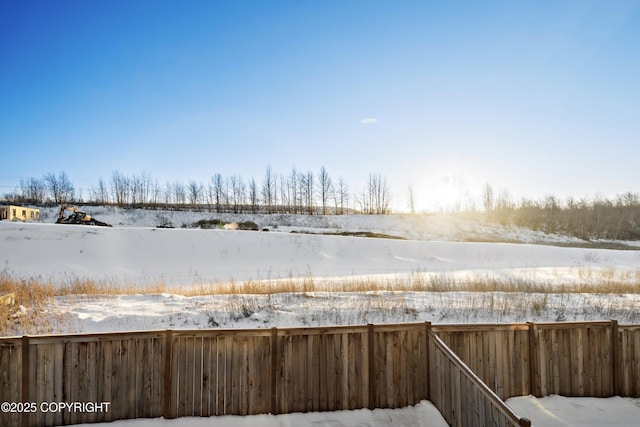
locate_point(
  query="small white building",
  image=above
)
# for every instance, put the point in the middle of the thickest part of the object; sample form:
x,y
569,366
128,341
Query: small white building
x,y
19,213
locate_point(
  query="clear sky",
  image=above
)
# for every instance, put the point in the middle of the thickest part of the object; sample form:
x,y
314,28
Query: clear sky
x,y
537,97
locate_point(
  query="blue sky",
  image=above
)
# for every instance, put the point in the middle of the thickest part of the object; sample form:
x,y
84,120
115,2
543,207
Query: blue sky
x,y
537,97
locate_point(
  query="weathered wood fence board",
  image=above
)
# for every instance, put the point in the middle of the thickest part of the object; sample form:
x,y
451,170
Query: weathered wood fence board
x,y
629,360
570,359
10,379
218,372
462,398
123,369
400,366
586,369
498,354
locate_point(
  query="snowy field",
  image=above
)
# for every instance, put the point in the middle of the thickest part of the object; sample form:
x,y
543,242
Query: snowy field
x,y
191,265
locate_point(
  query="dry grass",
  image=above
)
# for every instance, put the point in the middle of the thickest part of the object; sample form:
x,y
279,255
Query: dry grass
x,y
29,312
36,291
32,312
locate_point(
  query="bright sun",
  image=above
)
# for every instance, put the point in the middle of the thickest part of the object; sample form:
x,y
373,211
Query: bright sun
x,y
447,193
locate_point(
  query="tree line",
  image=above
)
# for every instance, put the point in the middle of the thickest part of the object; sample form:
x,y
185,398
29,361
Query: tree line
x,y
307,192
296,192
597,218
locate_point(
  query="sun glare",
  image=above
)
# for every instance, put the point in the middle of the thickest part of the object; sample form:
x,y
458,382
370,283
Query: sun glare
x,y
448,193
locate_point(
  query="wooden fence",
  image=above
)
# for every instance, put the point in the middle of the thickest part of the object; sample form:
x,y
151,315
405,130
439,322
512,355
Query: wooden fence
x,y
215,372
296,370
461,397
597,359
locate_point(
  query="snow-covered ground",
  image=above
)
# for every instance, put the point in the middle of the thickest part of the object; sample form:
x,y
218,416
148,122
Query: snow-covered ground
x,y
424,414
193,266
440,227
190,267
560,411
146,255
550,411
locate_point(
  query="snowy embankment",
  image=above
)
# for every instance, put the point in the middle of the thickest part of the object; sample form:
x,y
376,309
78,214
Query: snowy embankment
x,y
139,256
436,227
143,256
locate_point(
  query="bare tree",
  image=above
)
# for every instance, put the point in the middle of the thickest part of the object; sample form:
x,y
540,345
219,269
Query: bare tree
x,y
324,181
226,197
180,194
411,201
371,193
628,199
60,187
342,194
168,193
32,191
306,185
377,195
293,191
136,186
156,192
238,190
285,202
218,189
140,188
363,201
100,194
195,193
551,206
119,188
488,197
503,207
268,189
253,195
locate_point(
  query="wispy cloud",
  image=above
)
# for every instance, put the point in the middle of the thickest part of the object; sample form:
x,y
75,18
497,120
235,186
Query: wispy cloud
x,y
369,120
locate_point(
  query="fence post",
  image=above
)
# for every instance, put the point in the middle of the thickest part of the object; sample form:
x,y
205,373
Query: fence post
x,y
372,368
615,359
533,373
166,392
428,360
24,420
525,422
274,370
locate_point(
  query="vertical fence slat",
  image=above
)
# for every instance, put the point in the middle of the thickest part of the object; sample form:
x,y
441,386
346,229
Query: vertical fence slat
x,y
208,376
157,375
10,380
371,375
287,374
580,371
222,394
26,366
355,383
231,384
565,381
273,383
327,399
636,364
427,358
198,378
615,359
167,388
